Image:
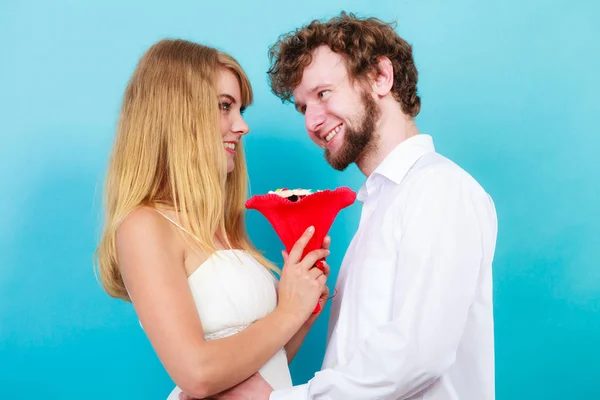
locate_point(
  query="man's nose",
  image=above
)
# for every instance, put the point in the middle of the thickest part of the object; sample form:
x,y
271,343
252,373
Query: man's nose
x,y
314,118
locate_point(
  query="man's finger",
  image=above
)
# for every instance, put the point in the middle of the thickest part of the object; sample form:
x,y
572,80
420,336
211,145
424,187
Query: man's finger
x,y
326,242
325,293
326,269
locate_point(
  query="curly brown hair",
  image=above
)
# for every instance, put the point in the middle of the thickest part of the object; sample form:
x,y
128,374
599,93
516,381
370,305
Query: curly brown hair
x,y
360,41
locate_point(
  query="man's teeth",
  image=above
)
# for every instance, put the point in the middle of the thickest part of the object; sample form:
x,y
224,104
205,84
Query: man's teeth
x,y
333,132
230,146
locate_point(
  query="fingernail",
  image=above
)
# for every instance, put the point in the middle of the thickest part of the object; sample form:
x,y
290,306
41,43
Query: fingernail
x,y
311,229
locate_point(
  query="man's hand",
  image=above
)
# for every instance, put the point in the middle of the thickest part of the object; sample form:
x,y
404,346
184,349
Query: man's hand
x,y
253,388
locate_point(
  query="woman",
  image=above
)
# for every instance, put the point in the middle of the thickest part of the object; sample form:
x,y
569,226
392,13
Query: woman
x,y
174,242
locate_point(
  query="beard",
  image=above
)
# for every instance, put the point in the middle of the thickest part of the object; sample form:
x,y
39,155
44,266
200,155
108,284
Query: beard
x,y
358,141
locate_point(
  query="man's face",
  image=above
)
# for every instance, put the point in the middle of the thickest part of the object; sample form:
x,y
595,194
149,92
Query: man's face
x,y
340,115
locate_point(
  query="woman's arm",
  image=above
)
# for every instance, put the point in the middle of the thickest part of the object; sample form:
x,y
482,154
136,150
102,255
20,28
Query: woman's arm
x,y
157,283
292,347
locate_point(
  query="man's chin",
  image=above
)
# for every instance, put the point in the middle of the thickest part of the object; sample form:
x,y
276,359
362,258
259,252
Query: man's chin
x,y
341,159
337,164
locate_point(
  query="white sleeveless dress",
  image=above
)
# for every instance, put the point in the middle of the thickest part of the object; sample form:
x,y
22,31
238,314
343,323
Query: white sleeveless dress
x,y
231,291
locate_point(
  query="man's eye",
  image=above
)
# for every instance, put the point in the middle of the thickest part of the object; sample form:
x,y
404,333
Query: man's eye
x,y
323,93
303,110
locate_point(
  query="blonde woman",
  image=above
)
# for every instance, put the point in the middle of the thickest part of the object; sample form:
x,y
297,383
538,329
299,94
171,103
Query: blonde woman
x,y
174,242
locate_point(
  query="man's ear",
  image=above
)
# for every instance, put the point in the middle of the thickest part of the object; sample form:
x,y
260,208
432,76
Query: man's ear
x,y
384,80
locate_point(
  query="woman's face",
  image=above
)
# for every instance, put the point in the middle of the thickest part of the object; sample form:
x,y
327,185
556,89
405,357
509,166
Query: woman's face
x,y
233,126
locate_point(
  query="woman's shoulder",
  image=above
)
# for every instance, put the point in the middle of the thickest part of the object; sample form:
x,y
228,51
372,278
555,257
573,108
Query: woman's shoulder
x,y
145,241
147,229
143,222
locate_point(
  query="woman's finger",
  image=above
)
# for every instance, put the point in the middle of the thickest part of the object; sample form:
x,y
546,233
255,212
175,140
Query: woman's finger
x,y
298,248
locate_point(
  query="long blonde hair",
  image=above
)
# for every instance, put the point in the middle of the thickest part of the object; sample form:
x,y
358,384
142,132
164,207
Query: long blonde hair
x,y
169,151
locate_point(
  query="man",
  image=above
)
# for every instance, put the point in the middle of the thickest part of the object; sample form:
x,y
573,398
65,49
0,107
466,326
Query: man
x,y
413,317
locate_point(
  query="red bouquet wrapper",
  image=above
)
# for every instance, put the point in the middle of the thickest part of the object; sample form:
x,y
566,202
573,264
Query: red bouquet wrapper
x,y
291,218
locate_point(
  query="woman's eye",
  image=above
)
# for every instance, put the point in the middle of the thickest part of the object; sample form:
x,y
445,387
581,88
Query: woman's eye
x,y
225,106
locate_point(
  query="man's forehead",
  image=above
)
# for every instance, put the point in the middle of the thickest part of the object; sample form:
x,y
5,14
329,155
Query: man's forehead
x,y
323,56
325,66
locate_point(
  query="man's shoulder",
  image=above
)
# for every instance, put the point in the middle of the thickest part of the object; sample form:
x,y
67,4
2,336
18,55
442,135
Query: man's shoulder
x,y
434,173
434,169
434,165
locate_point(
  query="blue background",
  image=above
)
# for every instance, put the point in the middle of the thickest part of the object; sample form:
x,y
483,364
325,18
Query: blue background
x,y
510,92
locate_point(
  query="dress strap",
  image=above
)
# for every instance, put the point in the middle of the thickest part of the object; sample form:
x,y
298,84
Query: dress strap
x,y
174,223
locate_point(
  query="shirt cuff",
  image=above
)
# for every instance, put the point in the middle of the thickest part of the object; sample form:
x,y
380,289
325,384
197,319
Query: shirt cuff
x,y
299,392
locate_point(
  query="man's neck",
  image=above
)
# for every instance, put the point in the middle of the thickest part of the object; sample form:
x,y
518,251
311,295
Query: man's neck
x,y
393,128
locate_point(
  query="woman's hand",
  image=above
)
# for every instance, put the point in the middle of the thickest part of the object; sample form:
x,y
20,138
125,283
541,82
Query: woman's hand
x,y
325,292
292,347
301,285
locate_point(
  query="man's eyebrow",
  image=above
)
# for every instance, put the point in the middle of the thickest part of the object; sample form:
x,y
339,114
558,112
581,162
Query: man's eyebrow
x,y
314,89
318,87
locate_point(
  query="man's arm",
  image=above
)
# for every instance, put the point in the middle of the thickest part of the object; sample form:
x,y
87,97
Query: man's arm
x,y
445,227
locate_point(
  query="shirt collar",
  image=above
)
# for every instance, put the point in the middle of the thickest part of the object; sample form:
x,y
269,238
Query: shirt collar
x,y
397,164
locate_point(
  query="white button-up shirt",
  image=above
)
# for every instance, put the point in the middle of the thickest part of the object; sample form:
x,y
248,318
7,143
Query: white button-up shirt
x,y
413,317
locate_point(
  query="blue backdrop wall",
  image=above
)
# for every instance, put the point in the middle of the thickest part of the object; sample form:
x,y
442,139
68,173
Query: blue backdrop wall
x,y
510,92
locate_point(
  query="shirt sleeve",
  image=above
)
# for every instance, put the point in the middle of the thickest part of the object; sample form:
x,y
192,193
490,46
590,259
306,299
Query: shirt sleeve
x,y
443,229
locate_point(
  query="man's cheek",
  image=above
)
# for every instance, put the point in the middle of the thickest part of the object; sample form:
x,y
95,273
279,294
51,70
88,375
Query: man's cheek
x,y
317,141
